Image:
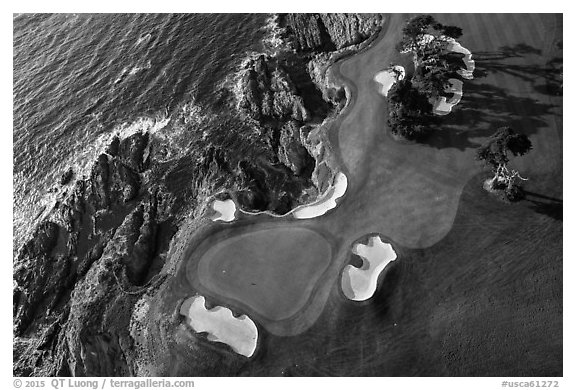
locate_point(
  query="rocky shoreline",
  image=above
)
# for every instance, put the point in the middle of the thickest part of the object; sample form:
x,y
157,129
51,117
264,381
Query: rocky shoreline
x,y
111,243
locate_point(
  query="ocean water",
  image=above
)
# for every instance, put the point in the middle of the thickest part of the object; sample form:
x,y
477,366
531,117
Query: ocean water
x,y
78,79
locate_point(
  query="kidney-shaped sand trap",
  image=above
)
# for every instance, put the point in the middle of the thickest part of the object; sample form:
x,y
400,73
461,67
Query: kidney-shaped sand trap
x,y
443,106
388,77
456,47
239,333
272,271
359,284
225,210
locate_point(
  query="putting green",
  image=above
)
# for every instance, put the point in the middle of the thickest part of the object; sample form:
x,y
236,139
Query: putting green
x,y
273,271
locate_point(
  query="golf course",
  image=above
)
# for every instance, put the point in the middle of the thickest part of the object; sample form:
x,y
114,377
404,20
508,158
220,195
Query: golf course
x,y
466,284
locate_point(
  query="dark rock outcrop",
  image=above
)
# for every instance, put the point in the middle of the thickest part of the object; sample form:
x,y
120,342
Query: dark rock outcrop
x,y
54,262
35,272
292,153
66,177
132,151
140,230
284,92
115,177
329,32
269,93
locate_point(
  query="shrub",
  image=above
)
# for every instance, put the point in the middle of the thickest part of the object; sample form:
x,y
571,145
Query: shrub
x,y
409,111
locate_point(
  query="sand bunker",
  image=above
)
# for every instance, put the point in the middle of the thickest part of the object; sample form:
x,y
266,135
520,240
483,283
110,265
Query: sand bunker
x,y
454,46
327,202
239,333
359,284
388,77
443,106
225,210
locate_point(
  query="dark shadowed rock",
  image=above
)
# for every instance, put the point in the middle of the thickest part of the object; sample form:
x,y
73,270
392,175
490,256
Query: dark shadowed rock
x,y
131,151
328,32
140,229
269,93
114,146
100,178
66,177
112,182
291,152
33,274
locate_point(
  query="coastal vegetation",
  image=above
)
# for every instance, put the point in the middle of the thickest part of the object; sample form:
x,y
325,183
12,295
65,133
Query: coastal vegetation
x,y
411,100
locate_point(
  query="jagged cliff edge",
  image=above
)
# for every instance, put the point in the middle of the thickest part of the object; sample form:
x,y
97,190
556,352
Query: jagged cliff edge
x,y
87,280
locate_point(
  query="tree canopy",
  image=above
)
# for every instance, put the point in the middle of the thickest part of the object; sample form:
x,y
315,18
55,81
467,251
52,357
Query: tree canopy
x,y
452,31
504,141
417,25
425,24
409,114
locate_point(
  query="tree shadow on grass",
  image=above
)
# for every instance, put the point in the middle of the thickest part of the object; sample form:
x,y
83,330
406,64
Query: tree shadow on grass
x,y
504,52
483,109
551,207
546,79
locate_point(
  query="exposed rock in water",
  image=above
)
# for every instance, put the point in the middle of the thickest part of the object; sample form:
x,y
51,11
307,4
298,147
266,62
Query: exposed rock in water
x,y
131,151
114,146
115,178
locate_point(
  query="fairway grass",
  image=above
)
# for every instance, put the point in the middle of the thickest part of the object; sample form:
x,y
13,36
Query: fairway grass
x,y
240,333
359,284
